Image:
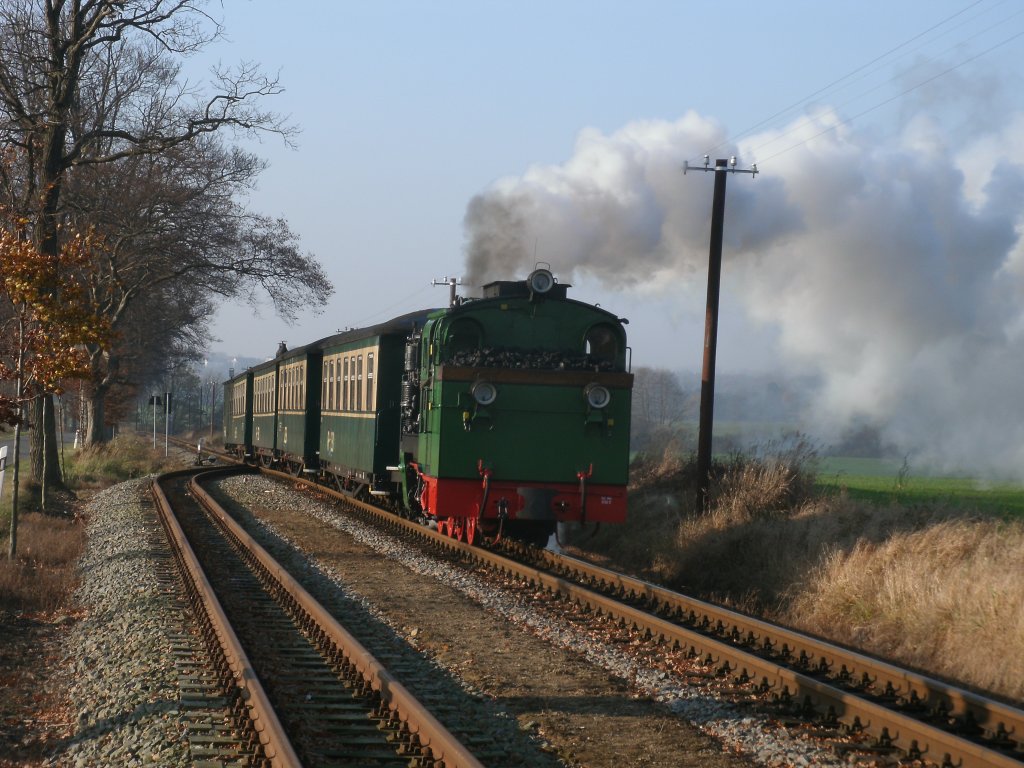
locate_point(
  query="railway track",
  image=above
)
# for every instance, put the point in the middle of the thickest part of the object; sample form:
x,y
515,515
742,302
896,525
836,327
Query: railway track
x,y
889,710
904,711
303,690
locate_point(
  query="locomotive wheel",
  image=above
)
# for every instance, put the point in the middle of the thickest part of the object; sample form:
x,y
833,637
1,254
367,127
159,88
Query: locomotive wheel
x,y
471,533
459,529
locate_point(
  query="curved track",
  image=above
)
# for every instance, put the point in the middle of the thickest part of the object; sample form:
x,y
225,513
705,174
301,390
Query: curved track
x,y
327,700
895,710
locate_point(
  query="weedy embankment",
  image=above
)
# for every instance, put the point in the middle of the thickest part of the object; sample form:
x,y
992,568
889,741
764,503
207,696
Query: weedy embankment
x,y
123,458
42,576
937,588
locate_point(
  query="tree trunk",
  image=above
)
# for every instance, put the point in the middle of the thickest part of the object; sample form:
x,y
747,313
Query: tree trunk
x,y
49,445
103,368
12,546
35,439
94,432
46,464
19,392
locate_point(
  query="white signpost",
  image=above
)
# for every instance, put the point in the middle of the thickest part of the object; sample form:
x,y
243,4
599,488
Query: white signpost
x,y
3,467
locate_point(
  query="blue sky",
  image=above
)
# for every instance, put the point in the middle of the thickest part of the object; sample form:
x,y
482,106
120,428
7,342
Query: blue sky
x,y
875,249
408,109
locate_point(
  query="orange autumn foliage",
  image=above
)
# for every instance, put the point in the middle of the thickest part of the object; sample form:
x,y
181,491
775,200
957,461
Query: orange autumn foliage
x,y
45,315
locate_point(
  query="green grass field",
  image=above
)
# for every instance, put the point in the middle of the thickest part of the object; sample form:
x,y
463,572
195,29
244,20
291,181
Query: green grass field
x,y
885,481
881,481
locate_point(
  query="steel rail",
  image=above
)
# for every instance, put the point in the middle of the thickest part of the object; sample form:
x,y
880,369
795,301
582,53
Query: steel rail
x,y
276,745
431,734
889,726
889,680
911,735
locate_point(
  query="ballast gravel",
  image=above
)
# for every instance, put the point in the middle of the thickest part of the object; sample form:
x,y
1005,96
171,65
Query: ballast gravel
x,y
117,666
123,685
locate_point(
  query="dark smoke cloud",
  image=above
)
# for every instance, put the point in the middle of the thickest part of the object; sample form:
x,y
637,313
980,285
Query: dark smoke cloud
x,y
498,226
893,271
619,210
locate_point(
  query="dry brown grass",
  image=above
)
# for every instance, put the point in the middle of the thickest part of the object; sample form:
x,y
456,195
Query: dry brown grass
x,y
42,577
937,589
948,597
126,456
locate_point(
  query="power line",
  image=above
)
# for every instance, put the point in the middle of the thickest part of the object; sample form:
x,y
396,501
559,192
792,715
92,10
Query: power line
x,y
900,95
827,88
400,302
846,79
807,120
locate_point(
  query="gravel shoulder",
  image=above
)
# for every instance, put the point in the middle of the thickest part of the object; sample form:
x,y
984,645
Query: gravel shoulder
x,y
99,686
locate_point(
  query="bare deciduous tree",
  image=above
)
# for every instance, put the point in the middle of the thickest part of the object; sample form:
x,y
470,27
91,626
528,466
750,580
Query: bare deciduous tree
x,y
91,92
179,237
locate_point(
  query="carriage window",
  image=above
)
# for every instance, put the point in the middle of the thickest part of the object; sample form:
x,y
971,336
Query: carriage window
x,y
369,382
337,385
359,384
350,379
344,389
602,343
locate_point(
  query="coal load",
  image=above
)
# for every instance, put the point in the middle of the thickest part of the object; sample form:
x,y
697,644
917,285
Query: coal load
x,y
528,359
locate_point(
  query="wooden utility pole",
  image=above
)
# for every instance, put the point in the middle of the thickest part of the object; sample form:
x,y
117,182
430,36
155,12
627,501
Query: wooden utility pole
x,y
707,382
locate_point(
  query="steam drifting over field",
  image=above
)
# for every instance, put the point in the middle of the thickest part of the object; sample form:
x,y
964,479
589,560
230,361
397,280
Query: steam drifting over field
x,y
892,269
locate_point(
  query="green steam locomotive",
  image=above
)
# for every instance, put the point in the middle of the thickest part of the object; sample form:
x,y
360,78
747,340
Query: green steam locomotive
x,y
496,416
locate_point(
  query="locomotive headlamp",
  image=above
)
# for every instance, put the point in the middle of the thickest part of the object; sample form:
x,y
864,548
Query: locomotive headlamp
x,y
540,281
484,392
597,395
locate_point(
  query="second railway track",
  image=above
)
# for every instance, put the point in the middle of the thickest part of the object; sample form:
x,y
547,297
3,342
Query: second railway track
x,y
320,698
884,708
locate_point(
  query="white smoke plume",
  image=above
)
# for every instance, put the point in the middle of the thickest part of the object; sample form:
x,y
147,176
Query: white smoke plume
x,y
893,270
